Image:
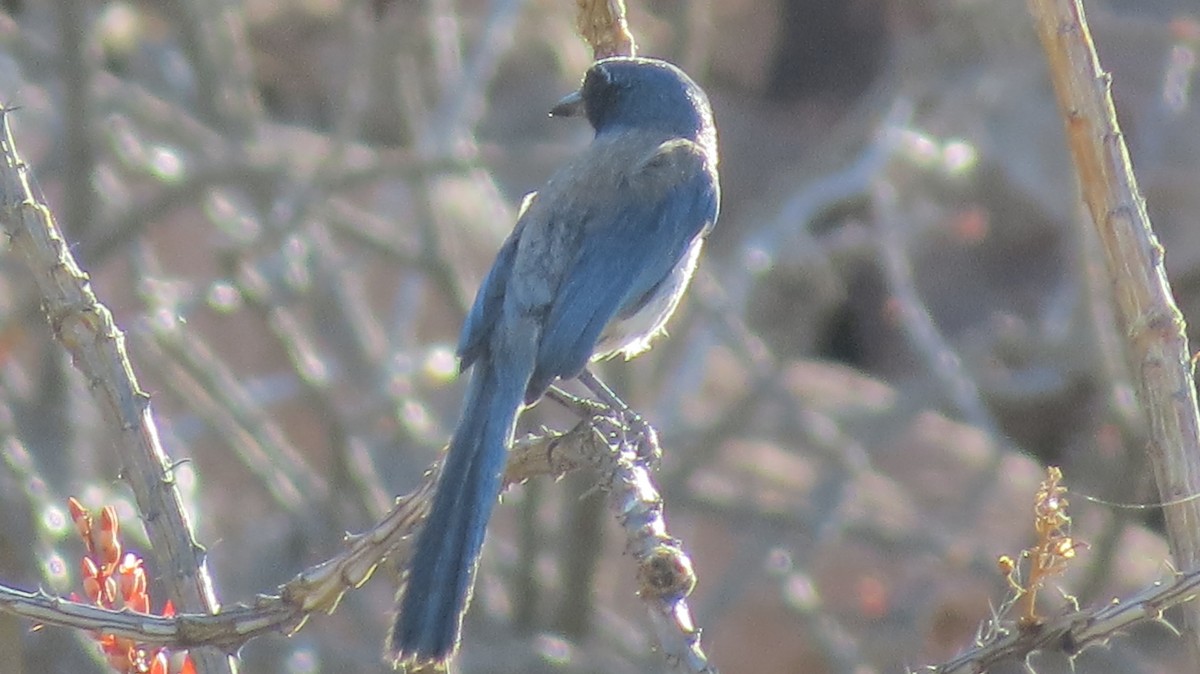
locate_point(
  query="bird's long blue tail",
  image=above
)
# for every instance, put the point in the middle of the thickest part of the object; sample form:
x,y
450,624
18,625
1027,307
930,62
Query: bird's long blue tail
x,y
442,569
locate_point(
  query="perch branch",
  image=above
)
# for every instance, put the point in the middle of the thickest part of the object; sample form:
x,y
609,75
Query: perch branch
x,y
664,572
602,24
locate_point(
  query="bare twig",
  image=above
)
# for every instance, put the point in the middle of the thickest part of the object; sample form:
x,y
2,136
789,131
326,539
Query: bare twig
x,y
1155,344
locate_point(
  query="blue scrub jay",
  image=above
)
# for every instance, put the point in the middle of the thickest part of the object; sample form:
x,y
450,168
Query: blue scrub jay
x,y
596,264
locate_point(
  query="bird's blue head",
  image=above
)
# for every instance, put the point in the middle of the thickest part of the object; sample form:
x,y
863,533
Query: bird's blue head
x,y
626,92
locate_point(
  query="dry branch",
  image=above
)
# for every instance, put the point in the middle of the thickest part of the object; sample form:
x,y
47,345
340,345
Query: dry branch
x,y
663,569
1073,632
85,328
1155,343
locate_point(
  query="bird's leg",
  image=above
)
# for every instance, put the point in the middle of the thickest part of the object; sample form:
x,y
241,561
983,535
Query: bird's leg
x,y
648,450
584,407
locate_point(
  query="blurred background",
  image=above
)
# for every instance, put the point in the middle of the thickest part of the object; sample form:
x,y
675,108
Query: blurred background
x,y
901,318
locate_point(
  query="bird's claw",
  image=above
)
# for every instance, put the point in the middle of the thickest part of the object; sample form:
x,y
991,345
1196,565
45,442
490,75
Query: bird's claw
x,y
649,452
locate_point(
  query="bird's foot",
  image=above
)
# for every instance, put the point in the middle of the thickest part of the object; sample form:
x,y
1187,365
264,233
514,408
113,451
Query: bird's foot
x,y
649,452
644,437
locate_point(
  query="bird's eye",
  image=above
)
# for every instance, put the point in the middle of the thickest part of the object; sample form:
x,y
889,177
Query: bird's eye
x,y
598,80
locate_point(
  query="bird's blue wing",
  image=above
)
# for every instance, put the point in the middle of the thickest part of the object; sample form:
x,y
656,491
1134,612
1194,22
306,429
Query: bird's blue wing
x,y
481,320
625,254
489,299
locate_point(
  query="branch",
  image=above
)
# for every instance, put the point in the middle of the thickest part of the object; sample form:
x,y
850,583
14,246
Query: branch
x,y
86,329
602,24
1155,344
665,576
1073,632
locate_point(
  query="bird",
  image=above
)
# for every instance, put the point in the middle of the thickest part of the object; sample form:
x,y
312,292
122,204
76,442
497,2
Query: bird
x,y
595,265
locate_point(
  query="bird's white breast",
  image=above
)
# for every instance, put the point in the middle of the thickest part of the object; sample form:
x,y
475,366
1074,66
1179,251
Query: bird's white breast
x,y
631,335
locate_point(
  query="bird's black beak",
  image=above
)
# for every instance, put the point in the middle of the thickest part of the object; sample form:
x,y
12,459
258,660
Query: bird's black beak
x,y
570,106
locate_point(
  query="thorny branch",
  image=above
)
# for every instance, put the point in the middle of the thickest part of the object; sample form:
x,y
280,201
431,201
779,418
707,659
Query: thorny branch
x,y
1069,632
1156,346
1072,632
664,570
85,328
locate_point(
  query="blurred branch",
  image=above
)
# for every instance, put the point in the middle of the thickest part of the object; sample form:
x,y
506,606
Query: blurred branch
x,y
85,328
1155,343
208,386
463,100
213,33
78,114
924,336
20,481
